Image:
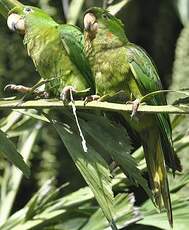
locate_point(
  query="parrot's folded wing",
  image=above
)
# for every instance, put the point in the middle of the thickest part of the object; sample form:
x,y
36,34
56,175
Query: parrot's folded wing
x,y
73,42
148,80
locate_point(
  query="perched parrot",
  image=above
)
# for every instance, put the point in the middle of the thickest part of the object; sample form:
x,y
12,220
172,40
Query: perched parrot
x,y
57,51
121,66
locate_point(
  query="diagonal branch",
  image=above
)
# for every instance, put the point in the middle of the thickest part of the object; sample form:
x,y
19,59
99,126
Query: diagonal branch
x,y
95,105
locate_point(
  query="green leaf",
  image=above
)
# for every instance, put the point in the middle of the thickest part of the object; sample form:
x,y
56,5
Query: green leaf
x,y
75,211
46,208
7,5
125,214
114,9
91,165
74,10
182,7
25,145
8,149
179,182
32,114
7,122
113,140
180,206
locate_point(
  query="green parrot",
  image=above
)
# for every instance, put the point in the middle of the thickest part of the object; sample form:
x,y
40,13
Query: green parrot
x,y
121,66
57,51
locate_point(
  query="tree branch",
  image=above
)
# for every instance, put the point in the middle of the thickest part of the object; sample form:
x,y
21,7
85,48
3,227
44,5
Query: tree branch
x,y
106,106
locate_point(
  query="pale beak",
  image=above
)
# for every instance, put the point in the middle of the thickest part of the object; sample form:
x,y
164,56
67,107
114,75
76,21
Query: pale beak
x,y
90,24
16,22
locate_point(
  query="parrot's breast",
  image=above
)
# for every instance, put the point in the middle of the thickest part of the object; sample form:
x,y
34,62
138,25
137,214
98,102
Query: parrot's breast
x,y
110,71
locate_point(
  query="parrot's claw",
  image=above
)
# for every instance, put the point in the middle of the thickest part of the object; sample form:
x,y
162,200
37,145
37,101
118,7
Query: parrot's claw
x,y
26,90
135,105
41,94
65,94
18,88
91,98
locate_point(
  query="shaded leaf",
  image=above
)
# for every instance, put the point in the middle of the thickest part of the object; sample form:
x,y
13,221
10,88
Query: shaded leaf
x,y
114,140
91,165
8,149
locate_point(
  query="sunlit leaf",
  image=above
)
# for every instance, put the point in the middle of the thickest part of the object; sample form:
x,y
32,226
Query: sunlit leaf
x,y
46,206
182,6
6,5
74,10
125,214
114,9
180,207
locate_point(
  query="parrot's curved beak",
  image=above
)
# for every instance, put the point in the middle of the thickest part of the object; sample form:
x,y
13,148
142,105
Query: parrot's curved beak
x,y
16,22
90,23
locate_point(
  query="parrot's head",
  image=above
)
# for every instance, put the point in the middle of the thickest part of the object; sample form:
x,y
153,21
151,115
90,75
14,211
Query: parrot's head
x,y
23,16
100,24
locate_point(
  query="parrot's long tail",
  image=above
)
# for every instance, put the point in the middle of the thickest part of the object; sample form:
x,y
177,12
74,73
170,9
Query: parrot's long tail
x,y
157,171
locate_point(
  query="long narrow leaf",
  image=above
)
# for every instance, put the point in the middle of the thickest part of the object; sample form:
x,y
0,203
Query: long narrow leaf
x,y
92,166
115,141
180,207
6,5
74,10
126,214
114,9
8,149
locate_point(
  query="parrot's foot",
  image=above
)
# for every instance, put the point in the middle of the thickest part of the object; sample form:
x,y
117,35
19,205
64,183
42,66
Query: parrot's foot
x,y
91,98
26,90
41,94
66,92
18,88
135,105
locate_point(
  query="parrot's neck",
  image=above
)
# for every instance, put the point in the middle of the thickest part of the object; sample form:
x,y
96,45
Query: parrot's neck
x,y
105,40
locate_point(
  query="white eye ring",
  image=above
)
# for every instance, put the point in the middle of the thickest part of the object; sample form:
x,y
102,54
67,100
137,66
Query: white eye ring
x,y
28,10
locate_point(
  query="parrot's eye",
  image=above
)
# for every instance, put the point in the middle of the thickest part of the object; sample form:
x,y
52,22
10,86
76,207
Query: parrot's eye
x,y
27,10
106,16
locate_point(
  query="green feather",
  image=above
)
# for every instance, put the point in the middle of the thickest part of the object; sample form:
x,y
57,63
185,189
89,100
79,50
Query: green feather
x,y
73,41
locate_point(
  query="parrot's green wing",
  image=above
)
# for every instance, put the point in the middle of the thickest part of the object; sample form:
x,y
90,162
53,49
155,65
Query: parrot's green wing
x,y
73,42
148,81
